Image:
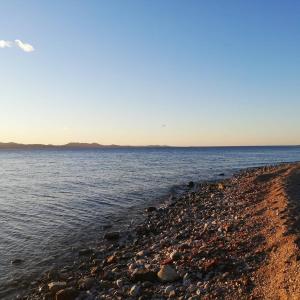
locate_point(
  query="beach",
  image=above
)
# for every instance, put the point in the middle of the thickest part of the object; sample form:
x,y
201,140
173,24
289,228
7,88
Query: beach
x,y
235,238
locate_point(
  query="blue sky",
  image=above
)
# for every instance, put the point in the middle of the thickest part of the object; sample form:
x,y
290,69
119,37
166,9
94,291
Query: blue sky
x,y
151,72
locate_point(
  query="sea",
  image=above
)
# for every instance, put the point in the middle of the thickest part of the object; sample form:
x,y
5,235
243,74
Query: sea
x,y
54,202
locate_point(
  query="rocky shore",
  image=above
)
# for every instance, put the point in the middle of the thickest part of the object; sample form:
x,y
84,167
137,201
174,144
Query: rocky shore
x,y
232,239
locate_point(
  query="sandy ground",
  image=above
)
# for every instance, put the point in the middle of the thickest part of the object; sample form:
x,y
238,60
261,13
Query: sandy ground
x,y
278,277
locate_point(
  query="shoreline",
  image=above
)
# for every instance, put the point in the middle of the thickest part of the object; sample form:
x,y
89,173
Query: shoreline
x,y
219,240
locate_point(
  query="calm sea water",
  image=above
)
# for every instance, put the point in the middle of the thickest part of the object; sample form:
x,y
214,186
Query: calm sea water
x,y
53,200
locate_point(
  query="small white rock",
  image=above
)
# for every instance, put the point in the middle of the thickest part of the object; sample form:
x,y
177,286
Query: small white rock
x,y
169,289
135,291
119,283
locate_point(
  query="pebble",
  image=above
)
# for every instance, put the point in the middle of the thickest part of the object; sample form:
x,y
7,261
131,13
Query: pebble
x,y
56,286
95,270
66,294
169,289
167,274
175,255
17,261
150,209
112,236
119,283
84,252
172,294
86,283
135,291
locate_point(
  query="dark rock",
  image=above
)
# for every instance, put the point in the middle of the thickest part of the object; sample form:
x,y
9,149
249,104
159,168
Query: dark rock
x,y
150,209
56,286
106,226
17,261
85,252
144,275
67,294
191,184
112,236
141,230
48,296
221,174
86,283
53,275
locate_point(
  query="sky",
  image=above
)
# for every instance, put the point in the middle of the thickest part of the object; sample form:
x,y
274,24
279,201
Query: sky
x,y
184,73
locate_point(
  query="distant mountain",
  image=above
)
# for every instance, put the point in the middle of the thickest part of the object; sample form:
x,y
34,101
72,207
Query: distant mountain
x,y
83,145
66,146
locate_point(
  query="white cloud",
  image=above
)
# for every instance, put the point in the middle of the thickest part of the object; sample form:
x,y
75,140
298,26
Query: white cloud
x,y
16,43
24,46
5,44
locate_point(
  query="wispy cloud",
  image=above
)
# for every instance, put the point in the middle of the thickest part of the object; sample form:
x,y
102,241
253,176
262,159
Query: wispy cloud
x,y
5,44
24,46
18,43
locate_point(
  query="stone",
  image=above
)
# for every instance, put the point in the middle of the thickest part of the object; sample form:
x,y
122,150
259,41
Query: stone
x,y
84,252
48,296
95,270
169,289
17,261
107,226
135,291
112,236
66,294
119,283
144,275
150,209
96,261
172,294
221,186
111,259
167,274
53,275
55,286
142,253
86,283
147,284
175,255
191,184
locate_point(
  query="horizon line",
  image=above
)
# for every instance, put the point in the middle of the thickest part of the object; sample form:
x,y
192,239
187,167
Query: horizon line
x,y
98,145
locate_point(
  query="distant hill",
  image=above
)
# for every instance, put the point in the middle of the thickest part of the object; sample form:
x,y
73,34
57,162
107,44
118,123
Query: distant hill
x,y
66,146
75,145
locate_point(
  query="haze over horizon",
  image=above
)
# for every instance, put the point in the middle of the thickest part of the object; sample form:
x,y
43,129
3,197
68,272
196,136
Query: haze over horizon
x,y
204,73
